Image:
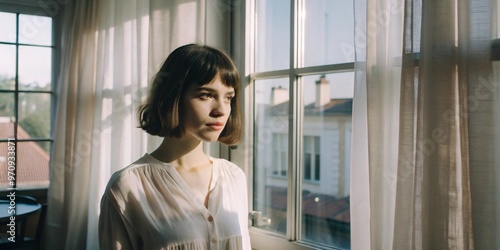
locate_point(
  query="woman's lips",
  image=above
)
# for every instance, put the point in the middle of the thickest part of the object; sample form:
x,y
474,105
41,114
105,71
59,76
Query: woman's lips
x,y
216,126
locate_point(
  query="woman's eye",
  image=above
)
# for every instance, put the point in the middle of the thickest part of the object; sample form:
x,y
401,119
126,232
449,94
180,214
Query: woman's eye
x,y
229,98
205,96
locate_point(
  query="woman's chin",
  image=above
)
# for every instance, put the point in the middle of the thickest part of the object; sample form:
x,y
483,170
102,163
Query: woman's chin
x,y
209,138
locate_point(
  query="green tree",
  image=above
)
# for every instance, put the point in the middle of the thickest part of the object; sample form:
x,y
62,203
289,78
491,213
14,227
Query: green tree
x,y
6,99
37,126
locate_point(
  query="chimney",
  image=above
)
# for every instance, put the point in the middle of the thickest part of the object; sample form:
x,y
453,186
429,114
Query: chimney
x,y
279,95
322,92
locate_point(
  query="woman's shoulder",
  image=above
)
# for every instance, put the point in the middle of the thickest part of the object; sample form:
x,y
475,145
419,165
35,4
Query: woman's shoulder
x,y
226,164
230,167
130,174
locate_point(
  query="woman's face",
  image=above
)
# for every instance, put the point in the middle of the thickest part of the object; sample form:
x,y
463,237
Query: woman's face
x,y
206,110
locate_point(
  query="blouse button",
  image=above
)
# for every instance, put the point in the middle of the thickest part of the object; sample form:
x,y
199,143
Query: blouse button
x,y
213,241
210,218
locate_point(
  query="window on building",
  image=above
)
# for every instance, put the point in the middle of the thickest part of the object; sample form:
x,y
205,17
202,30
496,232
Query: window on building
x,y
279,156
311,158
26,99
301,81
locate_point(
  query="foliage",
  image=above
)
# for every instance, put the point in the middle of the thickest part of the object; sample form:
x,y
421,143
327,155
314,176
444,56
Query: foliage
x,y
37,126
6,99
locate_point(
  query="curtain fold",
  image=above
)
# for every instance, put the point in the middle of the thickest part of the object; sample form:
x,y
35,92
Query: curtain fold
x,y
110,51
71,148
378,32
425,102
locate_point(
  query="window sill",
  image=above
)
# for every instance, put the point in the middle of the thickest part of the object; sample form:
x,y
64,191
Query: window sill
x,y
279,177
312,182
261,240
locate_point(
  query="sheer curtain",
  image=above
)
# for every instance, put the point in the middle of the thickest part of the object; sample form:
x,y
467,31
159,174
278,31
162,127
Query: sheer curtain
x,y
109,52
426,130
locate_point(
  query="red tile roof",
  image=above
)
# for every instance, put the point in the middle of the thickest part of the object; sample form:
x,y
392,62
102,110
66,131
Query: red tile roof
x,y
32,164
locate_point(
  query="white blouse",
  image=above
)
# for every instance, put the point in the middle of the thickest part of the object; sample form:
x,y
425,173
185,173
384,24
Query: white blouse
x,y
148,205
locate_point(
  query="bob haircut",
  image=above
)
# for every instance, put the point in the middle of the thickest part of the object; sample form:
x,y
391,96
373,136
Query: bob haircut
x,y
187,65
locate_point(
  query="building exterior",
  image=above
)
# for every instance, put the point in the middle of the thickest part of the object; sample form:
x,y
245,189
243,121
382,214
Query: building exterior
x,y
327,127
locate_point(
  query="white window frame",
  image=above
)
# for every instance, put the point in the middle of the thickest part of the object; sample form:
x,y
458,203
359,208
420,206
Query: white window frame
x,y
244,28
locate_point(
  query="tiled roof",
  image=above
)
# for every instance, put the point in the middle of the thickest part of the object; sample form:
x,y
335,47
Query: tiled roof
x,y
317,205
334,106
32,161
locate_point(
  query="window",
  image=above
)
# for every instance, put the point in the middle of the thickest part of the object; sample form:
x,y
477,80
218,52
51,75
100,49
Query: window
x,y
300,69
311,158
280,151
26,98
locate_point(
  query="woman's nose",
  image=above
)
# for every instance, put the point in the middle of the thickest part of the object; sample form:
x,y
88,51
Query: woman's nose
x,y
216,113
220,108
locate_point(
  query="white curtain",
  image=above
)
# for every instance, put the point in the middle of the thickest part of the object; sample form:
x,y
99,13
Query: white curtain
x,y
110,50
426,132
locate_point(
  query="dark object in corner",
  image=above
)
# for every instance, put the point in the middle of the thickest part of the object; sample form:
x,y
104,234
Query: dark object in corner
x,y
495,50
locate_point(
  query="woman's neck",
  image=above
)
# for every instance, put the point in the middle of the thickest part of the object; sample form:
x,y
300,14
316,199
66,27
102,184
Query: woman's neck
x,y
181,152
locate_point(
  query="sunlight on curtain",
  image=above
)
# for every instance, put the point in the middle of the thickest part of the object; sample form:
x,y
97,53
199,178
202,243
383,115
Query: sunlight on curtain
x,y
426,102
110,50
378,42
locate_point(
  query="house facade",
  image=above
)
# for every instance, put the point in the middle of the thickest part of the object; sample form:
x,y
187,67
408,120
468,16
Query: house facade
x,y
326,144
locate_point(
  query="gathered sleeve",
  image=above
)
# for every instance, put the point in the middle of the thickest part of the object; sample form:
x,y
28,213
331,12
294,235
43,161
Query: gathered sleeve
x,y
113,230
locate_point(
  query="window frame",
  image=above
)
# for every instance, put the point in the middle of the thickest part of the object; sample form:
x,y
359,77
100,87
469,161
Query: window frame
x,y
243,48
32,7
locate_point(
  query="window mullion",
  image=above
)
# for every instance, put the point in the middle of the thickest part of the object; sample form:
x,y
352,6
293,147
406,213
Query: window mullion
x,y
295,135
16,99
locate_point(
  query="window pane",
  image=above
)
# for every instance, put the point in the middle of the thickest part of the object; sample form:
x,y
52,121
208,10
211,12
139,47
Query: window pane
x,y
273,35
327,135
316,167
7,107
35,30
7,66
33,164
35,68
328,32
271,123
8,27
34,116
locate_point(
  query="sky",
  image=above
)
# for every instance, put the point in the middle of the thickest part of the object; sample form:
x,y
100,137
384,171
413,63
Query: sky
x,y
328,28
34,62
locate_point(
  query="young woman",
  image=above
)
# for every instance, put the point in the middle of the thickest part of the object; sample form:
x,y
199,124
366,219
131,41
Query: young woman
x,y
178,197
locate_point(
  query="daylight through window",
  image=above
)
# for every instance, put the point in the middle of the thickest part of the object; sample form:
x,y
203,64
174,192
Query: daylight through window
x,y
303,83
26,95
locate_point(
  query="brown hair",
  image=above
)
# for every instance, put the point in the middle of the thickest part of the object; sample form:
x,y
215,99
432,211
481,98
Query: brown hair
x,y
187,65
